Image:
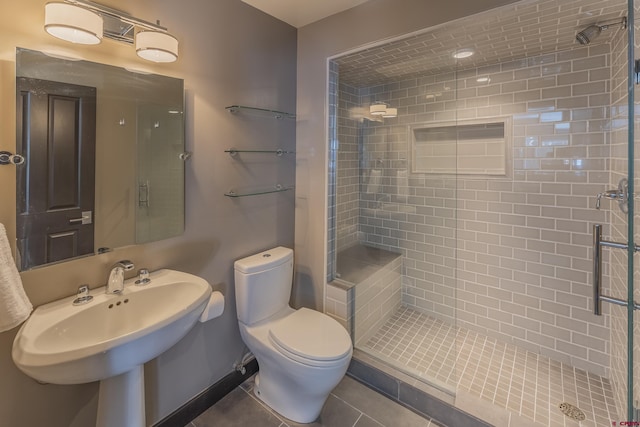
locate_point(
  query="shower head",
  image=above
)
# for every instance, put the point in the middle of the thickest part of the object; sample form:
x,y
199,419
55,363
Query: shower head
x,y
590,33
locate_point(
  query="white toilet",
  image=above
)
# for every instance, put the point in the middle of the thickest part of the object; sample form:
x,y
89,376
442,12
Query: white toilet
x,y
302,354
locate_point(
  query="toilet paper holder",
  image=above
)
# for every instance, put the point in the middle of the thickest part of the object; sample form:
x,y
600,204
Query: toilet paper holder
x,y
214,308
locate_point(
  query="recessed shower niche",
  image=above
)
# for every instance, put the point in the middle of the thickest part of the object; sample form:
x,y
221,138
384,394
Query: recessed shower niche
x,y
465,148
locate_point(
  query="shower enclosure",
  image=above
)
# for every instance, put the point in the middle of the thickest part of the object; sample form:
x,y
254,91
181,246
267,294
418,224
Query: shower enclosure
x,y
466,163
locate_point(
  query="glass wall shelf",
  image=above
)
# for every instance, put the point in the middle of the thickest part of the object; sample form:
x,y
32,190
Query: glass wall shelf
x,y
279,152
276,189
262,112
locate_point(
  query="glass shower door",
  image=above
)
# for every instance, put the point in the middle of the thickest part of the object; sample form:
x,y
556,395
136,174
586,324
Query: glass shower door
x,y
633,295
620,303
160,187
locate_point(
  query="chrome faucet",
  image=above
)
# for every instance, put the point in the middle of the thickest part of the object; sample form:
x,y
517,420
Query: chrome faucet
x,y
115,283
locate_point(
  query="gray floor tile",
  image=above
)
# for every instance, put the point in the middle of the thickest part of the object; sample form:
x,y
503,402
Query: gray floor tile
x,y
351,404
365,421
237,409
377,407
336,413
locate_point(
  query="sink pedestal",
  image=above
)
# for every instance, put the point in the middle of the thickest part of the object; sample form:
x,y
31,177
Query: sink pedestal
x,y
121,400
110,339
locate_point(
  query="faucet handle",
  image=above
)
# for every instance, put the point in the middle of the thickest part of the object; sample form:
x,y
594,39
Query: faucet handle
x,y
143,277
82,297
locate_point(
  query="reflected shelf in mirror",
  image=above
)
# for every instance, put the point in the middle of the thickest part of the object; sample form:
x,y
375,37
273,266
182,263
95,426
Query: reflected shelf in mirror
x,y
261,112
279,152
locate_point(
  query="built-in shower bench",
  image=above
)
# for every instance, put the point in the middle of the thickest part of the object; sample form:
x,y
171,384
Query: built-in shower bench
x,y
366,291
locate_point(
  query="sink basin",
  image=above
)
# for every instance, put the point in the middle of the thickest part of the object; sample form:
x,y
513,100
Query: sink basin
x,y
110,338
65,344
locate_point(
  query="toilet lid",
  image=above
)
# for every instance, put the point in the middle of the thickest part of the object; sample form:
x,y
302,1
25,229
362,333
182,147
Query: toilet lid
x,y
311,335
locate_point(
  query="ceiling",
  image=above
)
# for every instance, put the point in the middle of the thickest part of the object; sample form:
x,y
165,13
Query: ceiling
x,y
299,13
521,30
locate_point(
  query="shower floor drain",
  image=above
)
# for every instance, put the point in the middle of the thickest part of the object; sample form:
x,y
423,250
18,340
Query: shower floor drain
x,y
572,412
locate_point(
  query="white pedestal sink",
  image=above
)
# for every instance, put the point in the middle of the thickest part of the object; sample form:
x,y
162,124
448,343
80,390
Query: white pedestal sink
x,y
110,338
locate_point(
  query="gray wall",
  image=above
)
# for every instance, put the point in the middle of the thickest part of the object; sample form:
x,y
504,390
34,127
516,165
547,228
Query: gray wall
x,y
370,22
230,53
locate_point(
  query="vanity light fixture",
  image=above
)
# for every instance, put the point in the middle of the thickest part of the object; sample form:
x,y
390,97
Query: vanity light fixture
x,y
156,46
382,109
73,23
86,22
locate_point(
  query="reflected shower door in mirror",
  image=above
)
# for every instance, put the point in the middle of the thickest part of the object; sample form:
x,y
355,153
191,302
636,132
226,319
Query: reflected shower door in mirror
x,y
160,204
104,158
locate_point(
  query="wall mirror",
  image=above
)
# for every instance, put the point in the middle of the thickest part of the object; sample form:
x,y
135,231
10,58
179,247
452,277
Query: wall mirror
x,y
104,151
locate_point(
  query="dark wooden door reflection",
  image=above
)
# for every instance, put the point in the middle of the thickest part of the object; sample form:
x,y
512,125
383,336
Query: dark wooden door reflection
x,y
56,133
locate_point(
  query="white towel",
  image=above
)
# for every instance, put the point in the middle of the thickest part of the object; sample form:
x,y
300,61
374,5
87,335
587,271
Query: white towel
x,y
375,180
402,182
15,307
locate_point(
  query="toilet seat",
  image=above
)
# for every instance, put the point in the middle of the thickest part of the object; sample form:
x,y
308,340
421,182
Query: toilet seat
x,y
310,337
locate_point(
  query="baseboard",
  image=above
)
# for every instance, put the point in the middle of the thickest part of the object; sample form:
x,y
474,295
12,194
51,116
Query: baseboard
x,y
196,406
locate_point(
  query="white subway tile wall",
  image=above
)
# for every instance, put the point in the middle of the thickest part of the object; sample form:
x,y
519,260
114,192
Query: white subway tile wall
x,y
376,299
348,169
332,171
507,257
339,303
513,34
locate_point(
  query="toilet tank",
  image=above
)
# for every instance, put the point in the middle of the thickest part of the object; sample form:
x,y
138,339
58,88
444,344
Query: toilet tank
x,y
263,284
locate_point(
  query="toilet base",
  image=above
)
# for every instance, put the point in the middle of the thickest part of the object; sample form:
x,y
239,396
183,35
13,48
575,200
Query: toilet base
x,y
303,411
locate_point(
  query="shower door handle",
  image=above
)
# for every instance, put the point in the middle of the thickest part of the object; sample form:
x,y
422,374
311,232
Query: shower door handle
x,y
597,268
621,195
144,194
598,244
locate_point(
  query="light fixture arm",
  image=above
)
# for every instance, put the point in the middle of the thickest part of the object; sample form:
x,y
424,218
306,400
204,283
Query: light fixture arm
x,y
115,13
118,15
622,22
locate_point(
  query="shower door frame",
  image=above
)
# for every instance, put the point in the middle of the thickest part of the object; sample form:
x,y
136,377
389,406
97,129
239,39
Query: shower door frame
x,y
631,411
333,115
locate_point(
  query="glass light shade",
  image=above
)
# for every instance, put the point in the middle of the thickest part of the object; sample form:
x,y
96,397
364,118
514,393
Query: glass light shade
x,y
73,23
377,109
390,112
156,46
